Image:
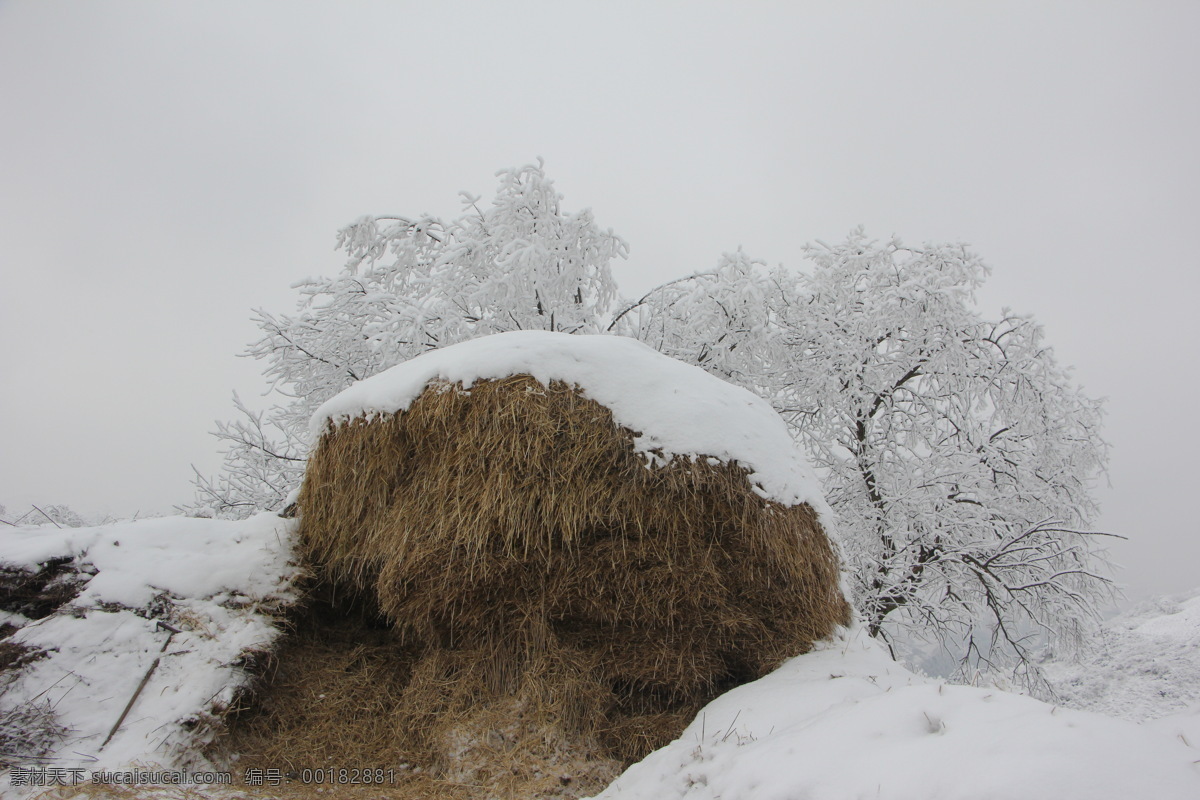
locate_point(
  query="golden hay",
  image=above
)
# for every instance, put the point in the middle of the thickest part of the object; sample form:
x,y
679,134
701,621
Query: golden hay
x,y
342,692
552,595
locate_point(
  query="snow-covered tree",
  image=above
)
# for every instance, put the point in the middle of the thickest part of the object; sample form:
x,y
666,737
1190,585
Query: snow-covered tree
x,y
725,321
411,285
956,453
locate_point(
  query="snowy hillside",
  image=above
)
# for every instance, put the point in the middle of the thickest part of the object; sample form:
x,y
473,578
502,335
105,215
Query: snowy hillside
x,y
147,649
1143,664
841,722
848,722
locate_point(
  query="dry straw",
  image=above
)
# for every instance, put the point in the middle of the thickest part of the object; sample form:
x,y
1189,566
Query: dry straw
x,y
554,597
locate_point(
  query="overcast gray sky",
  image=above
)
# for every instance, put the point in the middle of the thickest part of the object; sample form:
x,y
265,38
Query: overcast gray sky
x,y
167,167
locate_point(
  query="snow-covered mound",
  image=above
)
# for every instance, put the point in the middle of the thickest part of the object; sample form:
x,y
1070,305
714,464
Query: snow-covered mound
x,y
673,408
847,722
1143,664
221,584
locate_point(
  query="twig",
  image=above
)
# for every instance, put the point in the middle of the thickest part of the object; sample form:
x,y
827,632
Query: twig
x,y
731,724
145,679
47,516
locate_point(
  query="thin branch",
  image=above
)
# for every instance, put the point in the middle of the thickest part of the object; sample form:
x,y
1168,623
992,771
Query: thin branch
x,y
47,516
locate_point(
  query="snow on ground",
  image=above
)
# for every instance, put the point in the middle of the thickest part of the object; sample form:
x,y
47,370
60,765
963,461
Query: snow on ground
x,y
673,408
847,722
1143,665
842,722
222,584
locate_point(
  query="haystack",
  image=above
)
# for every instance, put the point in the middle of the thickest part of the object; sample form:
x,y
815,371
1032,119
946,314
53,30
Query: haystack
x,y
578,542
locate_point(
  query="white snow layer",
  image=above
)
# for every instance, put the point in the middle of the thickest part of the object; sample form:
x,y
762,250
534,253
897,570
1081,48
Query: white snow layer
x,y
847,722
222,583
839,723
1144,664
185,557
674,409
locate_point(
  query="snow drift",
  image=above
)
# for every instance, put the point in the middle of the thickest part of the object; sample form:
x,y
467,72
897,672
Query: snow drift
x,y
845,721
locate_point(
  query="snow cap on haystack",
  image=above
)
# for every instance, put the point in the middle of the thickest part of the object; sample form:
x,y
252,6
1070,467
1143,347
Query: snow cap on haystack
x,y
579,524
674,409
